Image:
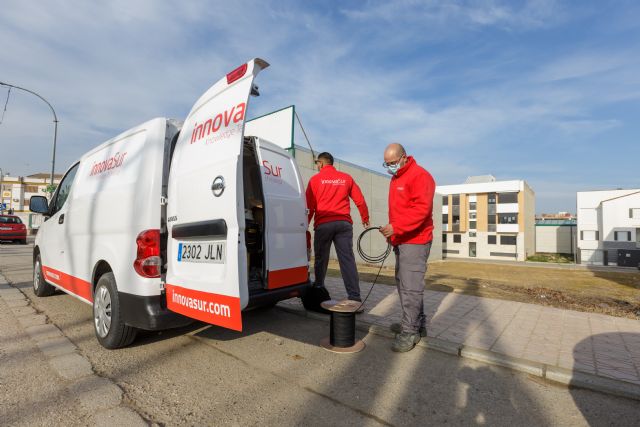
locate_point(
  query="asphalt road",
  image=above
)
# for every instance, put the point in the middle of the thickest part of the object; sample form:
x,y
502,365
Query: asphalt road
x,y
274,373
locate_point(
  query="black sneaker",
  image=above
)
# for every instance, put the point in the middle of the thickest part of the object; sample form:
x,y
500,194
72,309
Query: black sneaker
x,y
397,328
405,342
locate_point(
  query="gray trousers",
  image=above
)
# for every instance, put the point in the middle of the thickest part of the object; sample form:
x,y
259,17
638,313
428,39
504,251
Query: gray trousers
x,y
411,265
340,233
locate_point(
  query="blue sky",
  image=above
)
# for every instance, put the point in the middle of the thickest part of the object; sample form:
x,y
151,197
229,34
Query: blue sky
x,y
545,91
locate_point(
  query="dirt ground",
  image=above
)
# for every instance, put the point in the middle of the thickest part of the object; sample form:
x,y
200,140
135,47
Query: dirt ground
x,y
612,293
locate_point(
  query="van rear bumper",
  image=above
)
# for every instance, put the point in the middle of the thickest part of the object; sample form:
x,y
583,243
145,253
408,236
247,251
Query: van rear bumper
x,y
268,297
149,312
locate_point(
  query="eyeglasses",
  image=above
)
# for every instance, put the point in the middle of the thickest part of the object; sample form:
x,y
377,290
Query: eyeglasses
x,y
386,165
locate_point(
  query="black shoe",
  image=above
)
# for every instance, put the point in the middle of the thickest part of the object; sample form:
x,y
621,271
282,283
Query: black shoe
x,y
397,328
405,342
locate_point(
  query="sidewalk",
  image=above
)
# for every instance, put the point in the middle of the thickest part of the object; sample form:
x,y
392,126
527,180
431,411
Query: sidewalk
x,y
575,348
45,380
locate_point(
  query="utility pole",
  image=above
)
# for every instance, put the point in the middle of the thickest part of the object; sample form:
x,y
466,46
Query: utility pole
x,y
55,121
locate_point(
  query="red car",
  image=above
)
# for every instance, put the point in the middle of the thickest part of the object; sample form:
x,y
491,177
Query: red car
x,y
12,228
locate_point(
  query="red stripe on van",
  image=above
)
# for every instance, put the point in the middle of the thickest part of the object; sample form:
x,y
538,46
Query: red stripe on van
x,y
221,310
69,283
287,277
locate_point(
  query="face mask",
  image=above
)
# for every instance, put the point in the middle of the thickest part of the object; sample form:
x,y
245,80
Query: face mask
x,y
393,169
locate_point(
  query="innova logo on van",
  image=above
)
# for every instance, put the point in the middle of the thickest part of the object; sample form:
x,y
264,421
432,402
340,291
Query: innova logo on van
x,y
219,121
108,164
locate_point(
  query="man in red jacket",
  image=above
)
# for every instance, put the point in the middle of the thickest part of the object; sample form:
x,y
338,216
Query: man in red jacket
x,y
410,231
328,196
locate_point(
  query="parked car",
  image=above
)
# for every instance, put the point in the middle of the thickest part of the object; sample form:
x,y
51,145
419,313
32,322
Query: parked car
x,y
12,228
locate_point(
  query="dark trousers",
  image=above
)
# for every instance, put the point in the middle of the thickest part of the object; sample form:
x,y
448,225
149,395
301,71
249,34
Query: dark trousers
x,y
340,233
411,265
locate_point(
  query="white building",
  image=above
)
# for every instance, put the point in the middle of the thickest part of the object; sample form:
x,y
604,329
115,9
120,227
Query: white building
x,y
488,219
16,192
609,227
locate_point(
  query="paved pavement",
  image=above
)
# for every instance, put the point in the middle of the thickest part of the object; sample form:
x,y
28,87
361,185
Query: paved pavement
x,y
273,373
572,347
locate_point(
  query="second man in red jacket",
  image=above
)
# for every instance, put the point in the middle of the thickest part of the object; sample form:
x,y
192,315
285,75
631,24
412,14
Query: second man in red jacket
x,y
328,196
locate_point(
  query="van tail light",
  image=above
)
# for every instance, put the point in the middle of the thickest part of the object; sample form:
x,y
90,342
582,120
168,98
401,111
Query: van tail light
x,y
308,245
236,74
148,262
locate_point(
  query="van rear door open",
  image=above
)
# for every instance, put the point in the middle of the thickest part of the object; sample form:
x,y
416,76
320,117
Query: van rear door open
x,y
207,261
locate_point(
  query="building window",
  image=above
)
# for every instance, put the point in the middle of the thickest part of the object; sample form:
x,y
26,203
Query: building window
x,y
508,240
508,218
472,206
472,234
508,198
445,219
455,219
589,235
472,215
492,198
491,219
455,199
491,240
444,238
472,225
457,238
445,200
634,213
622,236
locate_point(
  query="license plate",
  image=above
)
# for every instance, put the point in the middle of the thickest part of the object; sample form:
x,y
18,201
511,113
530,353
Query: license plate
x,y
213,252
5,228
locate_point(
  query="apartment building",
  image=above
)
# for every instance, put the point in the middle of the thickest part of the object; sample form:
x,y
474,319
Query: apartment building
x,y
488,219
609,227
16,192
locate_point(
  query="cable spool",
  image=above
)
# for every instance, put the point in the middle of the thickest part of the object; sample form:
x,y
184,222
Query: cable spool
x,y
342,334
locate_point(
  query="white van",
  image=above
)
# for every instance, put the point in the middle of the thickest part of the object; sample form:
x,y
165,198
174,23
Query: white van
x,y
173,221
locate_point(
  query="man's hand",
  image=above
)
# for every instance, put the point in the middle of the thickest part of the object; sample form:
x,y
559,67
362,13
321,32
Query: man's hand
x,y
365,224
387,230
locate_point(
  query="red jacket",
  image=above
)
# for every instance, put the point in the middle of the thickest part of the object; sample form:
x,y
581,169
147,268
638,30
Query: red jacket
x,y
328,195
411,204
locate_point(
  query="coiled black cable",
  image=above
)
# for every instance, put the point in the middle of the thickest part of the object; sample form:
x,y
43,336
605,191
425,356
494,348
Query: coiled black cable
x,y
342,329
372,259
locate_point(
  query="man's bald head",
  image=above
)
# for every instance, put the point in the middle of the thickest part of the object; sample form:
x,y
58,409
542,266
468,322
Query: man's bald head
x,y
395,153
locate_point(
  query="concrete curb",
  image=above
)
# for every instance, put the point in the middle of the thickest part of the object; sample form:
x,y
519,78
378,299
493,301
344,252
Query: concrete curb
x,y
552,373
94,393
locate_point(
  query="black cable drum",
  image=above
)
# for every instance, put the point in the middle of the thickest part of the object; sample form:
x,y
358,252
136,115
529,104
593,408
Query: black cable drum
x,y
342,329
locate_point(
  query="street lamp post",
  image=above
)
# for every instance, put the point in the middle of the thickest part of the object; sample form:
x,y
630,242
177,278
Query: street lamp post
x,y
55,121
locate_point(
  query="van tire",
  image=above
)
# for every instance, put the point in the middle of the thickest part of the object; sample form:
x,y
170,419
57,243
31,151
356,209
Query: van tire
x,y
40,287
106,307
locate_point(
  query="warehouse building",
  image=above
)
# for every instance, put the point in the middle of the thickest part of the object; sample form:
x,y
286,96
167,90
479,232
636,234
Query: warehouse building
x,y
488,219
280,127
609,227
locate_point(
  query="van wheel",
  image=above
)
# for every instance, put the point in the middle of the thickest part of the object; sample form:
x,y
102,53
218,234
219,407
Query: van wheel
x,y
110,330
40,287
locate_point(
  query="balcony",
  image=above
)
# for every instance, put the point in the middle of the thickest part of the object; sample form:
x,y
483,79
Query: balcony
x,y
507,228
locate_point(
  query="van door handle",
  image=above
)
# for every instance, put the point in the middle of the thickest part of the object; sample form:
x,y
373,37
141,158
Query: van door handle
x,y
61,219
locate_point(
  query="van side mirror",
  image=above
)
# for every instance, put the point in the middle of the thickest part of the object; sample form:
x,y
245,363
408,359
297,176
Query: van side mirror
x,y
39,204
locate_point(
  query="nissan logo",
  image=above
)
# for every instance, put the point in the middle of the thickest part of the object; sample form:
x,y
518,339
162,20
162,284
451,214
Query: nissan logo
x,y
217,187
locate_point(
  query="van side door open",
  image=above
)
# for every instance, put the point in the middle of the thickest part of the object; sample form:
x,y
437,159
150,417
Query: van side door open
x,y
206,275
285,217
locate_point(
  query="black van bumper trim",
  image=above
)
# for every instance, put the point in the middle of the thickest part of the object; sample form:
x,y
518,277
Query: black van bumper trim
x,y
149,312
212,228
265,297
